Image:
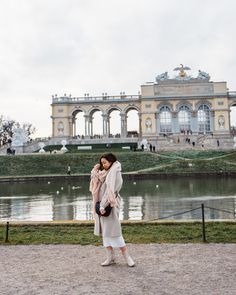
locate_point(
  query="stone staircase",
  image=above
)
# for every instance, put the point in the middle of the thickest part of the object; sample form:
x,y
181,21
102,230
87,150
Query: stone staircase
x,y
169,142
185,142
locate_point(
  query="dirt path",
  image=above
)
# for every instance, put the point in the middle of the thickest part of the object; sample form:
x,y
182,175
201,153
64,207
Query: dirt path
x,y
184,269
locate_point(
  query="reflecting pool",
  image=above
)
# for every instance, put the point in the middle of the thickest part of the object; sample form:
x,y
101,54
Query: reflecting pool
x,y
141,199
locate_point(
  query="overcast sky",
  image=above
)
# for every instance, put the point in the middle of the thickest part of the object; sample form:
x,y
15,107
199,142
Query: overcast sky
x,y
93,46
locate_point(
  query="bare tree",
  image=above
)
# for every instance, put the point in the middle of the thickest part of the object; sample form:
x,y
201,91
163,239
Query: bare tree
x,y
29,128
6,129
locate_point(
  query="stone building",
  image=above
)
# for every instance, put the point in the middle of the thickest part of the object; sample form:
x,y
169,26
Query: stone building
x,y
168,107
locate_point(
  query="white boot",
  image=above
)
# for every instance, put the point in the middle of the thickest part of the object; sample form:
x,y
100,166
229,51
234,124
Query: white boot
x,y
128,259
110,258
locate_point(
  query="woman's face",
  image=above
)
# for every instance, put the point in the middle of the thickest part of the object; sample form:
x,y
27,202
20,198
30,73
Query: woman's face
x,y
106,164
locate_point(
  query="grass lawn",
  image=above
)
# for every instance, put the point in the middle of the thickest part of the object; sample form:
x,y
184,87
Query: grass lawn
x,y
138,162
138,233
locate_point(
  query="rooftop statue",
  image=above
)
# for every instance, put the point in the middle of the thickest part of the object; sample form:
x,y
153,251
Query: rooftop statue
x,y
183,76
203,75
182,70
161,77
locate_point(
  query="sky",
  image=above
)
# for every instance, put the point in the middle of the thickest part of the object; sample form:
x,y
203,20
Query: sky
x,y
52,47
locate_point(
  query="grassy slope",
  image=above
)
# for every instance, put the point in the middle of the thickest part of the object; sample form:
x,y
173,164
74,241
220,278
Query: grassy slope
x,y
142,162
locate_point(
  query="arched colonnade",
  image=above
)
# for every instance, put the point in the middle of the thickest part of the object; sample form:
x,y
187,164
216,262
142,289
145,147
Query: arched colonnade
x,y
167,118
156,115
88,117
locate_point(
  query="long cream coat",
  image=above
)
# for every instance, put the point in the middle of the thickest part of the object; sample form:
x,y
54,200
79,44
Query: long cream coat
x,y
110,226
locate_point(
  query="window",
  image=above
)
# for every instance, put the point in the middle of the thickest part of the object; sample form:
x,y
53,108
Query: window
x,y
165,119
184,116
203,116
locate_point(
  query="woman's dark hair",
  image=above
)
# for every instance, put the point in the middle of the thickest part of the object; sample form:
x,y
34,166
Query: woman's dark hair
x,y
109,157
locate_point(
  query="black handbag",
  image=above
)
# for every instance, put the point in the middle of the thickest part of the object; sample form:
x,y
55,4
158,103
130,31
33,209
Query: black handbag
x,y
107,209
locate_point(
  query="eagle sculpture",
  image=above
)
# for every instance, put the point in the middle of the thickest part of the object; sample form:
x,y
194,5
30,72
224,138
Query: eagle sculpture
x,y
182,70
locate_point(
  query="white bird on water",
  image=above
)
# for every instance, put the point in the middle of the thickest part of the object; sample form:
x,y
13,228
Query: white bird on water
x,y
76,187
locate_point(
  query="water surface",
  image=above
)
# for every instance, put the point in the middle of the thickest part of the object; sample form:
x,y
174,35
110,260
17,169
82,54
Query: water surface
x,y
141,199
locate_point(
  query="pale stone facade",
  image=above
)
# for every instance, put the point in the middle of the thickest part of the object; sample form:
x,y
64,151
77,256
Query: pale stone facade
x,y
168,106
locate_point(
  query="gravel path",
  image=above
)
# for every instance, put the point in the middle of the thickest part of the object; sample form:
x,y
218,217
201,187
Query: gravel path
x,y
208,269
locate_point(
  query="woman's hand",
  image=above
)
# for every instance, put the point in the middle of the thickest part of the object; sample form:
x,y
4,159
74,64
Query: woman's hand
x,y
102,210
97,167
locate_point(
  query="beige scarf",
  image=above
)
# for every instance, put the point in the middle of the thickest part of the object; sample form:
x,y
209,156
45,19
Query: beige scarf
x,y
97,179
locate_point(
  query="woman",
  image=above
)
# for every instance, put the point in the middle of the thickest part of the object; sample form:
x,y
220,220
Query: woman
x,y
106,182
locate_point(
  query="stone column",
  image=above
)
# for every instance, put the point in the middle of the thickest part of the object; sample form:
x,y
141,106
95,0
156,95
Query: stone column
x,y
140,125
53,127
194,122
108,126
87,131
155,122
70,121
74,125
105,125
123,125
229,122
125,129
212,120
175,122
91,126
158,123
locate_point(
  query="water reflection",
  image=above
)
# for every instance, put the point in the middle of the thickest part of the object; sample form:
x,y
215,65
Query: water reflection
x,y
141,200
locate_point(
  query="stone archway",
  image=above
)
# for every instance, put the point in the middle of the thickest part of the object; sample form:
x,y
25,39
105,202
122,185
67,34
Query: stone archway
x,y
114,122
233,119
78,123
233,115
96,123
133,122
